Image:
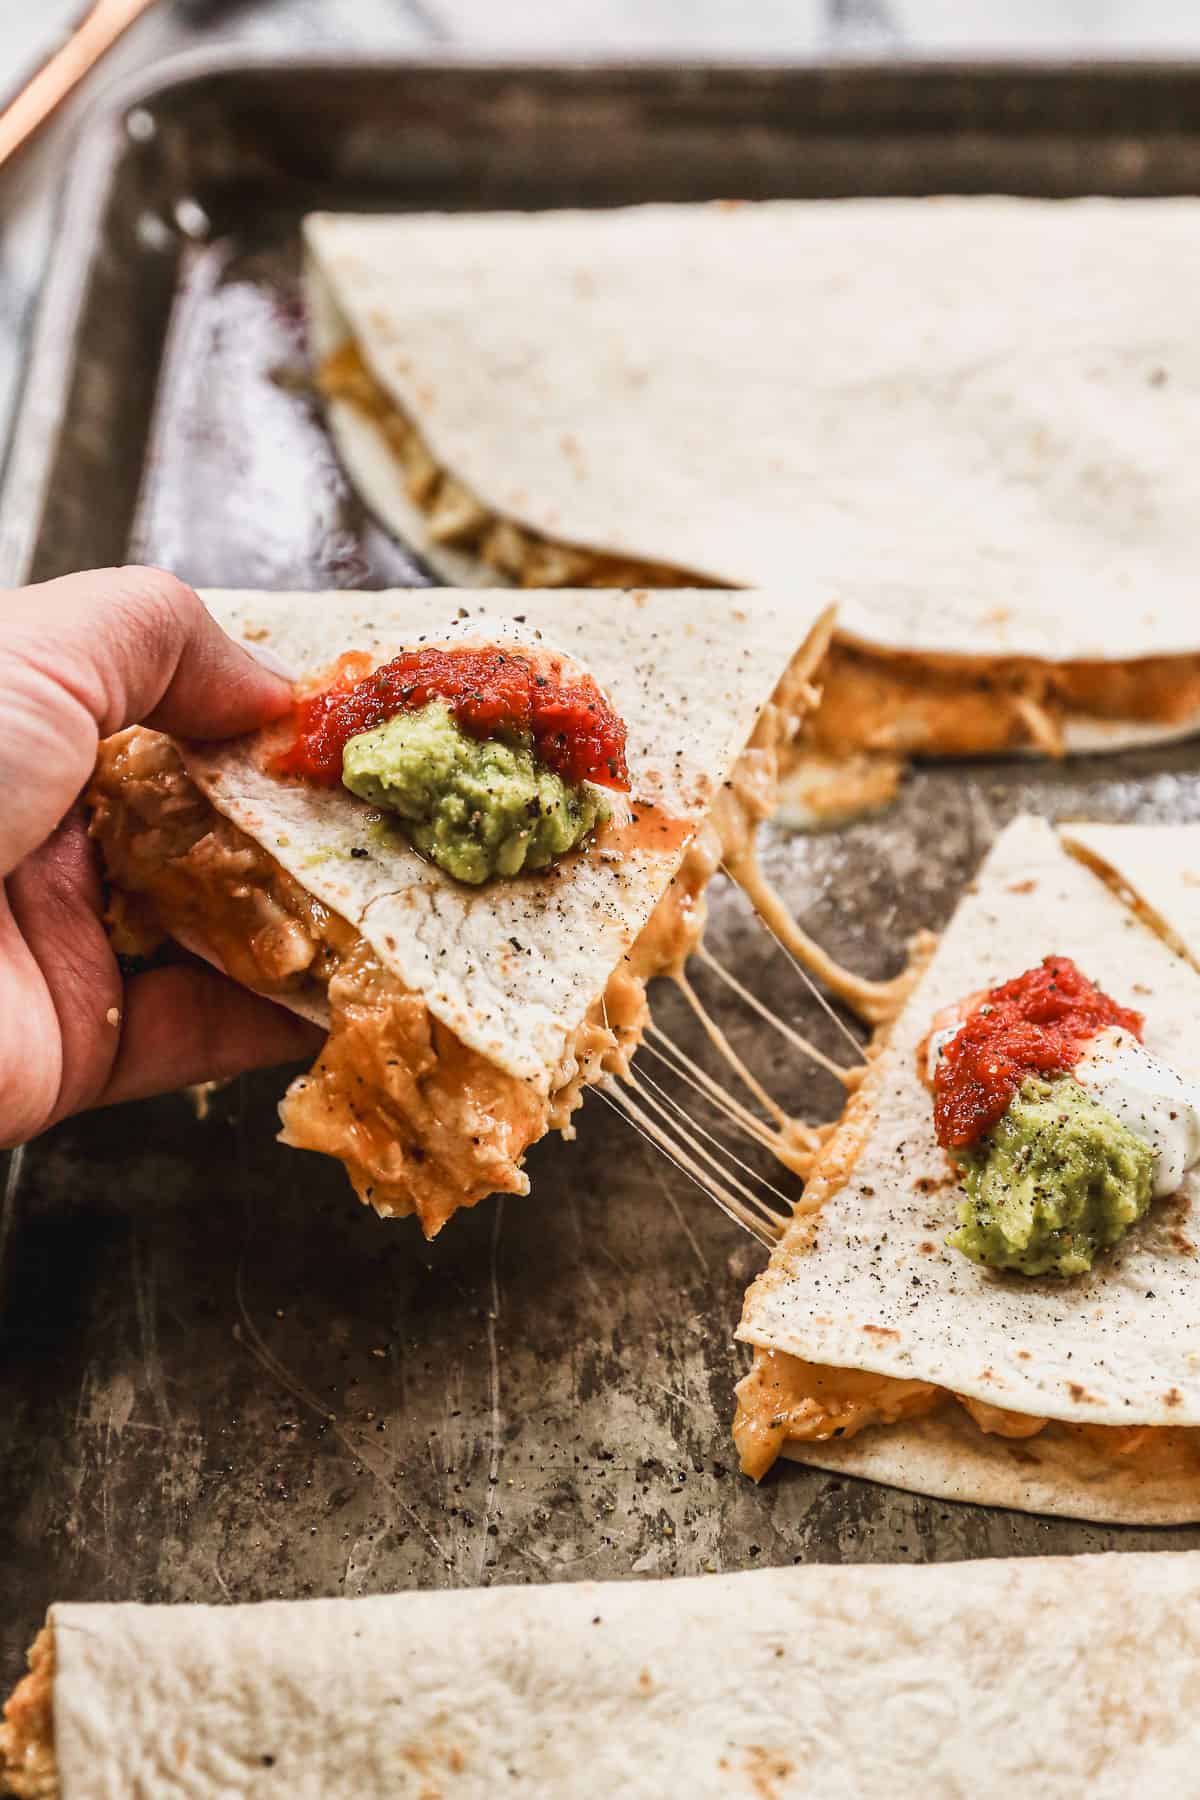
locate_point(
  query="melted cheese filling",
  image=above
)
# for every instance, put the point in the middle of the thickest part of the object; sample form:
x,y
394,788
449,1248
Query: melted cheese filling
x,y
786,1400
897,705
422,1122
28,1766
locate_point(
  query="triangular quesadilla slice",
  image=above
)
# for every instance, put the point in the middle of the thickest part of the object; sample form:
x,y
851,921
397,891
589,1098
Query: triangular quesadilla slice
x,y
466,1012
898,1331
859,387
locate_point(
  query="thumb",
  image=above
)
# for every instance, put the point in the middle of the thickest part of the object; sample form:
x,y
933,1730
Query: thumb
x,y
86,655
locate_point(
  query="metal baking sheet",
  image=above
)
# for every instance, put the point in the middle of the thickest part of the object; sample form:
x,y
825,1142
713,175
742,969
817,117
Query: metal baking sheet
x,y
221,1378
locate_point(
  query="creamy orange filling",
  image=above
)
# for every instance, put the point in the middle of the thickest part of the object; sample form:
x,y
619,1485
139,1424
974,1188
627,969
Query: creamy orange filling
x,y
457,518
785,1400
908,705
28,1769
179,866
422,1122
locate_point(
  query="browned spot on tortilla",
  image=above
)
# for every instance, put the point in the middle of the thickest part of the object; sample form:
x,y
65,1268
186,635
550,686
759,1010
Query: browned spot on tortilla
x,y
646,1682
765,1768
1183,1243
1079,1393
927,1249
883,1331
1173,1397
1024,1355
430,1752
1022,887
254,634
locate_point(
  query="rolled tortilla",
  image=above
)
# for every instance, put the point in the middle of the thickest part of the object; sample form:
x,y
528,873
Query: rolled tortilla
x,y
974,417
1054,1676
865,1282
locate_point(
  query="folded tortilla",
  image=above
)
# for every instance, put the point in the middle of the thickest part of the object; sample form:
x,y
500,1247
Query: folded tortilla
x,y
881,1352
464,1022
975,418
1156,868
1048,1675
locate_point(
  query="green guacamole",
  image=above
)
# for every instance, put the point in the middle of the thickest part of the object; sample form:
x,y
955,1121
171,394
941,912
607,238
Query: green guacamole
x,y
476,807
1056,1180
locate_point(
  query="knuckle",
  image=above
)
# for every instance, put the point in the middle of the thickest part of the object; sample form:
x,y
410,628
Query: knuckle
x,y
161,601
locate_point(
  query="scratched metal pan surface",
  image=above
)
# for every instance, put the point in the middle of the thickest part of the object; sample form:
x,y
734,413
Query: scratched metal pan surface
x,y
221,1378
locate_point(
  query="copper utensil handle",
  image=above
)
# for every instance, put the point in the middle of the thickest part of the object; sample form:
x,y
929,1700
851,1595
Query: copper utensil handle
x,y
66,68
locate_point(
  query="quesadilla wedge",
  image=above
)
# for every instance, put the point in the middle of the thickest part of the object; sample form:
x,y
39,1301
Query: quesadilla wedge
x,y
974,418
466,1014
989,1291
1046,1675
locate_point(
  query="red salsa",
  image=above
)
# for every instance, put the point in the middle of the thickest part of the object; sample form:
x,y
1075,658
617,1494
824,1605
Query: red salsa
x,y
490,693
1039,1024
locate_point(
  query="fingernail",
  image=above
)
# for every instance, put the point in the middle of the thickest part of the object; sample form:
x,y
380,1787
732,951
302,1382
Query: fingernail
x,y
269,660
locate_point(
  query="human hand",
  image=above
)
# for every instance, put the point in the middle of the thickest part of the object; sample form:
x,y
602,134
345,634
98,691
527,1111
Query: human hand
x,y
81,658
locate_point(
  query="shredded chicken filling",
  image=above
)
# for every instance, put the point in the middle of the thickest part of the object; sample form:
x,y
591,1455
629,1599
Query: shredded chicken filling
x,y
459,519
907,705
422,1122
785,1399
28,1768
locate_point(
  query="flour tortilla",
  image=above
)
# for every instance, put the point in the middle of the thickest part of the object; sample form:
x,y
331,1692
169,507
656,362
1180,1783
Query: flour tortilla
x,y
512,967
946,1456
1049,1675
867,1281
1156,866
977,419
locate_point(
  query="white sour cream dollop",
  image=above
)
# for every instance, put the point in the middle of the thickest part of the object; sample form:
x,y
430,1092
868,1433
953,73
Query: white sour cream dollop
x,y
1150,1098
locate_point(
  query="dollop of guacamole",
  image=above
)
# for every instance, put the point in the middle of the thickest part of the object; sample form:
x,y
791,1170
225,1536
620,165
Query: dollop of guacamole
x,y
1055,1181
477,807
